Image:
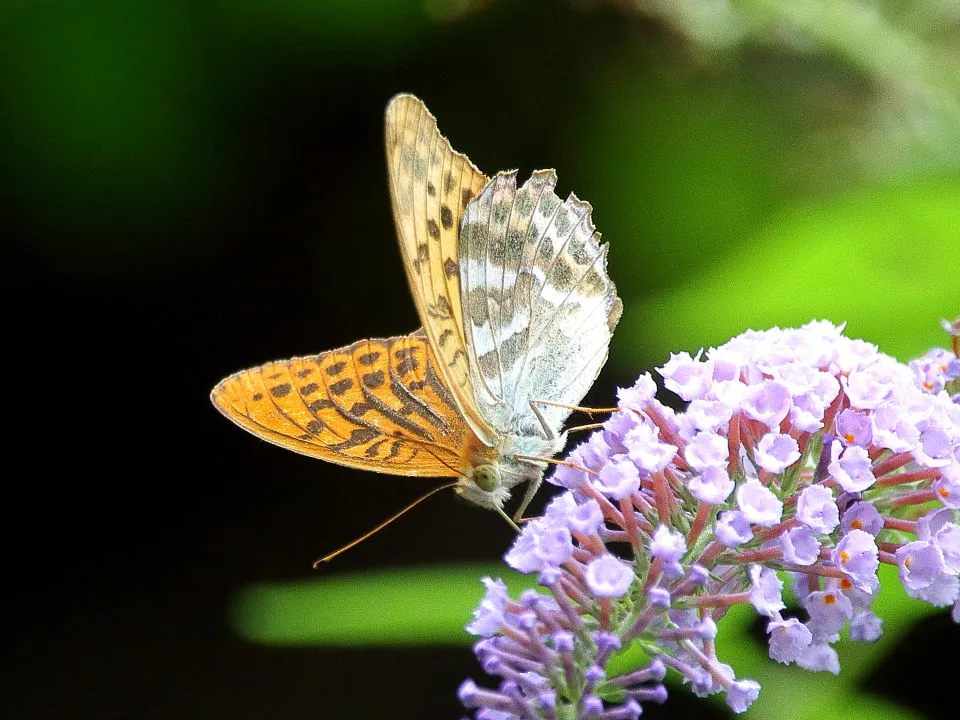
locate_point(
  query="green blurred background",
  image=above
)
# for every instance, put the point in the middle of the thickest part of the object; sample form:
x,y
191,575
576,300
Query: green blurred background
x,y
177,177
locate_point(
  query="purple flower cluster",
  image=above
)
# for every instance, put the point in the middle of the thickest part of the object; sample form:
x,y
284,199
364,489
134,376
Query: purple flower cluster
x,y
801,455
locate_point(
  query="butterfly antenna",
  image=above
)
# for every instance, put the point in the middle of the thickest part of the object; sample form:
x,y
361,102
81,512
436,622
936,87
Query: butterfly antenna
x,y
381,526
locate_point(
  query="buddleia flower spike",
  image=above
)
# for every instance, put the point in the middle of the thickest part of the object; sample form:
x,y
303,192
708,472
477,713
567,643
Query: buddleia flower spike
x,y
803,457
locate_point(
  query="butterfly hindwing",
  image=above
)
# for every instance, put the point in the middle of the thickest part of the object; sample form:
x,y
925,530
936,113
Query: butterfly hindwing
x,y
539,306
430,187
375,404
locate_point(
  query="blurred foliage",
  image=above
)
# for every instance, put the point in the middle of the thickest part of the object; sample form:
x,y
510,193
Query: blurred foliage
x,y
752,163
426,606
109,119
118,129
905,49
883,259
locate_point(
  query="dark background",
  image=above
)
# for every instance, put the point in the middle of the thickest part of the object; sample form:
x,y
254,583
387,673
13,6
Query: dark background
x,y
178,180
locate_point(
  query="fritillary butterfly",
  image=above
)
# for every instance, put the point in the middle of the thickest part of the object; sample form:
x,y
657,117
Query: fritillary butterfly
x,y
517,310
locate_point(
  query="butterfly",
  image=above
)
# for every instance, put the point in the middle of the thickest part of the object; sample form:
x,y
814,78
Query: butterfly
x,y
517,308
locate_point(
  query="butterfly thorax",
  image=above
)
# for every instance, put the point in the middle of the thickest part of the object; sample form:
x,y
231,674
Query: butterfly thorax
x,y
496,472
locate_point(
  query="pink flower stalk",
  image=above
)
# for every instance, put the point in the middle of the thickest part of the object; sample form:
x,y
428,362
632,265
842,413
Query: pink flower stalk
x,y
801,455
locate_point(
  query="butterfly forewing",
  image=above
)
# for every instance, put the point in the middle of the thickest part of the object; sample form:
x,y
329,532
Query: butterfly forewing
x,y
540,308
430,186
375,404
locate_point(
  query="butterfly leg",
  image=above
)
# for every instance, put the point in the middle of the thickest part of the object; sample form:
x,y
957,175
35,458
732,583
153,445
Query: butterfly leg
x,y
532,488
548,432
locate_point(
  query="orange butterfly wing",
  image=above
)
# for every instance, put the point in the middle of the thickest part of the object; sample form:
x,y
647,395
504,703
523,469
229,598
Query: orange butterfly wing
x,y
431,185
376,404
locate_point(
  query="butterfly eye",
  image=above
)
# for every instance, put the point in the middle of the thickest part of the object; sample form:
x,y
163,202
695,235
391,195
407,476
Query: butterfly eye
x,y
487,477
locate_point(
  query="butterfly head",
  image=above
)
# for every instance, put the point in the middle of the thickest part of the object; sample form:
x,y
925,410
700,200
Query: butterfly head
x,y
488,485
485,487
490,481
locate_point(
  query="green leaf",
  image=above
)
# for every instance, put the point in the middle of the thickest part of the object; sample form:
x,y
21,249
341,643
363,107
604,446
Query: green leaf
x,y
410,606
882,259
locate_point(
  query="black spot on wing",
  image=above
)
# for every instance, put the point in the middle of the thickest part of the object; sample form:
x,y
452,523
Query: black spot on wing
x,y
373,380
360,408
281,390
341,386
357,437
